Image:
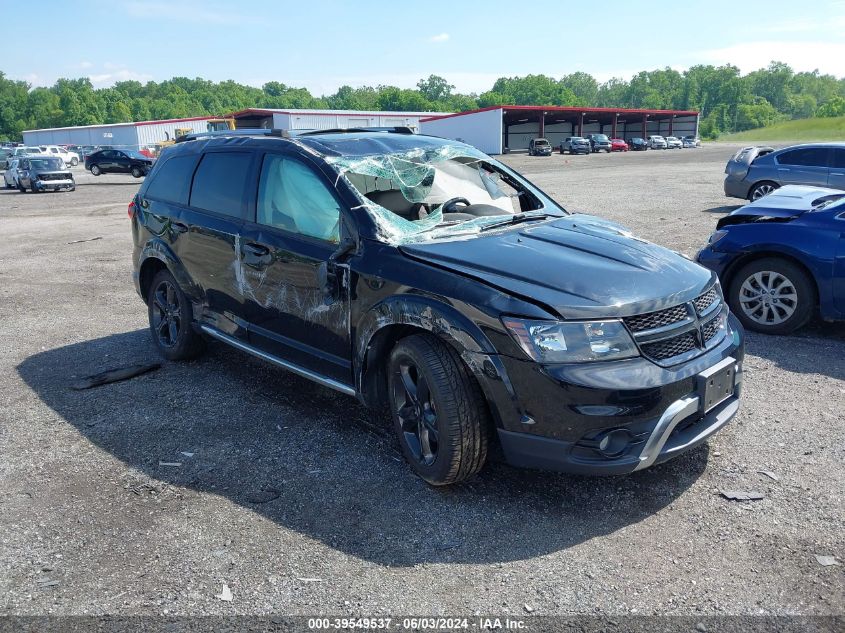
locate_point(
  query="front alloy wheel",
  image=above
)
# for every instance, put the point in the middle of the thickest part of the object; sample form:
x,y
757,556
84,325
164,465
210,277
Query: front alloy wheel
x,y
773,296
439,413
416,412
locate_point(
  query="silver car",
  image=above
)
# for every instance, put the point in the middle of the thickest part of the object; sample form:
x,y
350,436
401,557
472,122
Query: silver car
x,y
673,142
10,175
655,141
755,171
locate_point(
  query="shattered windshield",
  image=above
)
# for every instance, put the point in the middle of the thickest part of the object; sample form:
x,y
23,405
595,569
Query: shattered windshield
x,y
428,192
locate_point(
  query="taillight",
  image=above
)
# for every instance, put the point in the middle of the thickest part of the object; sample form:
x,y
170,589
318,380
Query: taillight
x,y
131,210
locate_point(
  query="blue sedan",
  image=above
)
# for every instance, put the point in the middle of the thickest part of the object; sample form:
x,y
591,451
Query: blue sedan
x,y
781,258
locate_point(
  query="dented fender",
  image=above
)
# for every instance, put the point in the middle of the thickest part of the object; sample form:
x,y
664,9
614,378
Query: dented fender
x,y
448,324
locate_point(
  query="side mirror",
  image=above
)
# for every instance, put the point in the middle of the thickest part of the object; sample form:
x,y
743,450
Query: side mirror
x,y
329,274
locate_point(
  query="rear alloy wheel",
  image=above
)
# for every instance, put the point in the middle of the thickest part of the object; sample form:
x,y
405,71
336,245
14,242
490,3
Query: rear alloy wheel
x,y
171,317
438,410
773,296
762,189
95,170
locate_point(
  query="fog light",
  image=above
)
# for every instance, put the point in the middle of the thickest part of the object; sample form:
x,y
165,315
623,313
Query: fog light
x,y
614,443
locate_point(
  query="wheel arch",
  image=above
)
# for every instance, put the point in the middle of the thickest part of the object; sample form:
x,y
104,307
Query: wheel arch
x,y
400,316
747,258
157,256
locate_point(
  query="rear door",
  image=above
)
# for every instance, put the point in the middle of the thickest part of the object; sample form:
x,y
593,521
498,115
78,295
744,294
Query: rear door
x,y
836,175
803,166
295,229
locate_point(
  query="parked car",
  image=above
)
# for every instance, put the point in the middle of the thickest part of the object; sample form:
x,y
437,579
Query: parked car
x,y
754,172
118,161
26,151
673,142
539,147
418,274
575,145
599,142
638,144
691,141
656,142
780,258
618,145
5,153
69,158
10,173
43,173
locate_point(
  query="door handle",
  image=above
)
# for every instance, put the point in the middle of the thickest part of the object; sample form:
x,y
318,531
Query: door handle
x,y
179,227
836,174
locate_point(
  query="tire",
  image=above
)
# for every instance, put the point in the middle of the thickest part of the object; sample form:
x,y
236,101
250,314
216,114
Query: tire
x,y
762,189
74,162
431,391
136,172
21,188
171,319
789,308
32,188
95,170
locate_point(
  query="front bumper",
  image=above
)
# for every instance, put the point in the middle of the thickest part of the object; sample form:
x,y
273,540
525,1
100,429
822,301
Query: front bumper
x,y
43,185
568,409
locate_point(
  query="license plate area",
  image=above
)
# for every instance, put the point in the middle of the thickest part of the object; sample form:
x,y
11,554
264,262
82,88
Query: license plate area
x,y
717,384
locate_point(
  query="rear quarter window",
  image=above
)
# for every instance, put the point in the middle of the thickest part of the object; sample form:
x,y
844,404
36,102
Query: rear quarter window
x,y
220,183
172,180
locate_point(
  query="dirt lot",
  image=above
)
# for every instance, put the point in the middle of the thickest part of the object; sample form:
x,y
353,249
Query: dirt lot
x,y
92,522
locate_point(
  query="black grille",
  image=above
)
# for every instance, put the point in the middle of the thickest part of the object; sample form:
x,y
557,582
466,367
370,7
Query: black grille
x,y
709,329
706,300
661,350
651,320
54,177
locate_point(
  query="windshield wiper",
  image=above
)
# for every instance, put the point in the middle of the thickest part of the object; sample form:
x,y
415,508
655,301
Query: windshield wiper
x,y
518,218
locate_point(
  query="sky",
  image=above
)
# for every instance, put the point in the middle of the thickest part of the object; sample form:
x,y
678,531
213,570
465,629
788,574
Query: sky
x,y
323,44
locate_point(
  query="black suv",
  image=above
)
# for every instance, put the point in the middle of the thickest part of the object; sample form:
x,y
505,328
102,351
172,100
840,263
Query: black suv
x,y
418,273
118,161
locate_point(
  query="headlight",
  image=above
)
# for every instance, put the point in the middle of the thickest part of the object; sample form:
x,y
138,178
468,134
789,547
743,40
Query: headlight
x,y
572,341
716,236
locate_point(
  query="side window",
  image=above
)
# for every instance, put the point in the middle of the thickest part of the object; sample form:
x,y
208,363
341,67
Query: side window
x,y
838,159
220,183
291,196
172,181
805,157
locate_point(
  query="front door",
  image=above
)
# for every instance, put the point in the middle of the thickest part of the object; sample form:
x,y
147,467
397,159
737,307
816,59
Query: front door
x,y
295,230
836,176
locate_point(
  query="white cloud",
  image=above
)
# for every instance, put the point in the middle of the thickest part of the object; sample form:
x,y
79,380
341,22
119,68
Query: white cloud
x,y
827,57
103,80
440,37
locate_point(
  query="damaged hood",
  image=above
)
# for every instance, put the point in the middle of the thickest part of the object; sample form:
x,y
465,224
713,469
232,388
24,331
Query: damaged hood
x,y
579,266
787,202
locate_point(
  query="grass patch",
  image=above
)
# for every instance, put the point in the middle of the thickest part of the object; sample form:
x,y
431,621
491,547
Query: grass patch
x,y
820,129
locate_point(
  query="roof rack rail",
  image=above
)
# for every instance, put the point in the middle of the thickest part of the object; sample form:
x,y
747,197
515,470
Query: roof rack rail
x,y
394,129
193,136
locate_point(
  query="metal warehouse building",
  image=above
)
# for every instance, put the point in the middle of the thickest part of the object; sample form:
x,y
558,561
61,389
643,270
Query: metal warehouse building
x,y
499,129
133,135
327,119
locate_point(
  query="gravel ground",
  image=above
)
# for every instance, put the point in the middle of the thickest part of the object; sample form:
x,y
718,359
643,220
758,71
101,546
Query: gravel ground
x,y
92,522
